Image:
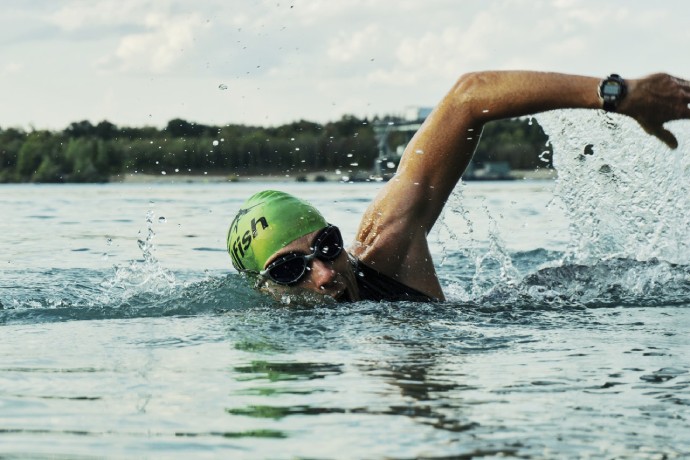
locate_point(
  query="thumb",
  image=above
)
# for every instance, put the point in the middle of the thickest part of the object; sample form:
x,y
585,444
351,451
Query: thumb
x,y
661,133
666,137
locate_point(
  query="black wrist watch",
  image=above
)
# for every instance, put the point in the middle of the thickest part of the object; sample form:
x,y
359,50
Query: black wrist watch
x,y
612,90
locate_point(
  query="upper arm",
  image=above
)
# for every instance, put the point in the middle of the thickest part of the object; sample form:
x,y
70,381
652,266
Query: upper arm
x,y
393,231
438,154
431,166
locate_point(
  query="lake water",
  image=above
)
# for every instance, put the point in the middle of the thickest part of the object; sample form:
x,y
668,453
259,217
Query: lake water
x,y
126,333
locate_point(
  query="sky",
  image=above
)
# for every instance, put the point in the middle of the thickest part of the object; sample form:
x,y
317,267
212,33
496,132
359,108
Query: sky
x,y
256,62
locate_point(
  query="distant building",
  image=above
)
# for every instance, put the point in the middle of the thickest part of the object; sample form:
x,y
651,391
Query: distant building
x,y
398,133
417,113
393,136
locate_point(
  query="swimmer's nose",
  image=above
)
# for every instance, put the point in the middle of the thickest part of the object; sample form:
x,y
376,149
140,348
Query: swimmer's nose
x,y
322,273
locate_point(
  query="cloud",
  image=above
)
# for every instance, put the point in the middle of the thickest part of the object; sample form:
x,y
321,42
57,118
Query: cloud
x,y
11,68
347,47
307,58
149,36
164,42
79,15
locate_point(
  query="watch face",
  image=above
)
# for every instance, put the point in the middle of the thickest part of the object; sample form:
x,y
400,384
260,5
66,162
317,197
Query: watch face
x,y
611,88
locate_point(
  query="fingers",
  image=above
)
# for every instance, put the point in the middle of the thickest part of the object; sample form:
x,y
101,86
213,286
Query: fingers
x,y
661,133
656,100
667,138
680,81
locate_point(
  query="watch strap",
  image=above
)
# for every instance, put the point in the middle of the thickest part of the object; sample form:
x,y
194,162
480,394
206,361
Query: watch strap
x,y
611,100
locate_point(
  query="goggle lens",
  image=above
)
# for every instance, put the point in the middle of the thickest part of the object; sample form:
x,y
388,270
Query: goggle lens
x,y
328,244
288,271
291,268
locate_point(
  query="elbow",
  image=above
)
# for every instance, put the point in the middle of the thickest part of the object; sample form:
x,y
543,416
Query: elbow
x,y
470,95
469,85
468,80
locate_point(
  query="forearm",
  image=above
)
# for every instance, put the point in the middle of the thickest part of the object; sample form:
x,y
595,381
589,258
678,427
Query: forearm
x,y
451,133
487,96
440,151
436,157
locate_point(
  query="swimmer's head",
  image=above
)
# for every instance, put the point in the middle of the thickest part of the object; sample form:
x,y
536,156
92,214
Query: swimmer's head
x,y
267,222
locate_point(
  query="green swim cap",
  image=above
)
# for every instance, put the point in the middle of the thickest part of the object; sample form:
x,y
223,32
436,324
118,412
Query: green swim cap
x,y
267,222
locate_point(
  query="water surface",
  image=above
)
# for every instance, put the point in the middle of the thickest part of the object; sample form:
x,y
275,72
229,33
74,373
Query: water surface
x,y
126,333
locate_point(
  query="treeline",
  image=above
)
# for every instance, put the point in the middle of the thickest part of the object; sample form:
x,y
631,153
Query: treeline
x,y
84,152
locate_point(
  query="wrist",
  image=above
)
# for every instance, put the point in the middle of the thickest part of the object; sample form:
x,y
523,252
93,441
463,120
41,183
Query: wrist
x,y
612,91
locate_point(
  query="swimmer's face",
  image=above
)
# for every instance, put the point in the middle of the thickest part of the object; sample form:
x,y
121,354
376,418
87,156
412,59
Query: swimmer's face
x,y
334,279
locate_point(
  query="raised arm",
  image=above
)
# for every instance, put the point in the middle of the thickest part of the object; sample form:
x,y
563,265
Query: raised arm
x,y
392,235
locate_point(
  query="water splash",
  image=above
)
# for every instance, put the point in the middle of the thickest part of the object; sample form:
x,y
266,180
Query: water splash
x,y
627,201
490,261
139,277
141,288
625,193
499,255
451,232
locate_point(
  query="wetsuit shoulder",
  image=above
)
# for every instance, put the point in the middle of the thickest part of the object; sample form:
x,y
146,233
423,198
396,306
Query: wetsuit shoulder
x,y
374,285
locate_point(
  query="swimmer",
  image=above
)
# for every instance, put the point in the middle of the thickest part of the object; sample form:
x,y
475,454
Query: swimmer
x,y
290,247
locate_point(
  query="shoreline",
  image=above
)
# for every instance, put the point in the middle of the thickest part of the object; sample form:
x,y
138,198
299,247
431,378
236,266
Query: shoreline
x,y
135,178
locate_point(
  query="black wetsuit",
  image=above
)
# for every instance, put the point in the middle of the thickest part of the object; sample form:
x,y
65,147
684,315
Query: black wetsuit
x,y
374,285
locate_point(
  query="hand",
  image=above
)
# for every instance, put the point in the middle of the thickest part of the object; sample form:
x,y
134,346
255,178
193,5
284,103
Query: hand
x,y
655,100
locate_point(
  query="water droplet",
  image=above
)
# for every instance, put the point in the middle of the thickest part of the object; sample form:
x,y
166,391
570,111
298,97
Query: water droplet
x,y
163,172
109,241
222,87
215,143
162,220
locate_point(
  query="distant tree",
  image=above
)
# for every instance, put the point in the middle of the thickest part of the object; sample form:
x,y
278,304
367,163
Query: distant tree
x,y
82,155
105,130
520,142
82,128
87,153
38,144
48,171
346,126
11,141
146,132
182,128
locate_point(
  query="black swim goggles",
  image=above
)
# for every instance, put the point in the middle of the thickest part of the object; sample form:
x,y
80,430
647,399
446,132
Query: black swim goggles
x,y
290,268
